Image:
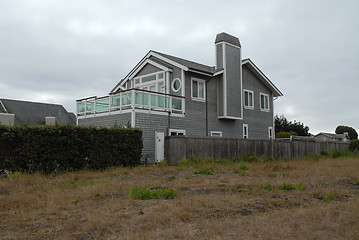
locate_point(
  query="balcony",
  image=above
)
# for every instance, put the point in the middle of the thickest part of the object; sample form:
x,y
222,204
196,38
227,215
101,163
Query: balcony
x,y
153,102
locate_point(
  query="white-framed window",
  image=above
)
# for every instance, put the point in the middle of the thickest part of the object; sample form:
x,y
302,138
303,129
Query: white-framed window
x,y
198,89
216,134
176,84
245,130
154,82
248,99
264,102
270,132
176,132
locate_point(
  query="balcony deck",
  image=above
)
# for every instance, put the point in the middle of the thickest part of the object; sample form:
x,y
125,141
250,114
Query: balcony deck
x,y
132,99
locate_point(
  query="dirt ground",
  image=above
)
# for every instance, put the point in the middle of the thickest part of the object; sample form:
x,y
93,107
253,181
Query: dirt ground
x,y
230,204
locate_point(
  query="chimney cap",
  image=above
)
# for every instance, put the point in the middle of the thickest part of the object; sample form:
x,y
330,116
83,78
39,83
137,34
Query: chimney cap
x,y
225,37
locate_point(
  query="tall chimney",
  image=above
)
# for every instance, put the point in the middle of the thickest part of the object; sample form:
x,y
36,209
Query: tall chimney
x,y
228,58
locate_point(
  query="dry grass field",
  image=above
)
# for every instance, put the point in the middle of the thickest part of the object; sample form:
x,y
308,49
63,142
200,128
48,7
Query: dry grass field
x,y
298,199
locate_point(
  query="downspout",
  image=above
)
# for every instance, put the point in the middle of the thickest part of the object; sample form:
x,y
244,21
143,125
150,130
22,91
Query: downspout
x,y
207,107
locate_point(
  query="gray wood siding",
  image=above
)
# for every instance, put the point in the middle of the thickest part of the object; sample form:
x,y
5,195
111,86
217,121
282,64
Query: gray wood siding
x,y
229,128
258,121
233,85
150,123
106,121
147,69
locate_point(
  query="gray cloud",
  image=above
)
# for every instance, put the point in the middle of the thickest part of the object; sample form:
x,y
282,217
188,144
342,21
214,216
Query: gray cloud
x,y
60,51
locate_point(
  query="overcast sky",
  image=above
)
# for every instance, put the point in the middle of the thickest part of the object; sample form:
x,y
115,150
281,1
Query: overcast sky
x,y
59,51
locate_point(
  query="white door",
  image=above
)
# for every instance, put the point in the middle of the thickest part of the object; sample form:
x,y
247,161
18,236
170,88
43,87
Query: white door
x,y
160,146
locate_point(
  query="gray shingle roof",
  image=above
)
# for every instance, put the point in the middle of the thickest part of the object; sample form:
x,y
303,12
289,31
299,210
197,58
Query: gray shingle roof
x,y
190,64
34,113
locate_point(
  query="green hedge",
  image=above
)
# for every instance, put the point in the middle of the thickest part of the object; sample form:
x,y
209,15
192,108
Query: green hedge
x,y
53,149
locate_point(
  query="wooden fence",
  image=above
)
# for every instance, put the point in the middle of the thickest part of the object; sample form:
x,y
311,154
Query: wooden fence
x,y
177,147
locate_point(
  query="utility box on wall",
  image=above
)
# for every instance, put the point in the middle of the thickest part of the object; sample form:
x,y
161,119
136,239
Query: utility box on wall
x,y
50,120
7,119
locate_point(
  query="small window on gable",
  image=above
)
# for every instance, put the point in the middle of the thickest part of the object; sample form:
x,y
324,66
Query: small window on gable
x,y
216,134
176,84
245,130
264,100
198,89
248,99
177,132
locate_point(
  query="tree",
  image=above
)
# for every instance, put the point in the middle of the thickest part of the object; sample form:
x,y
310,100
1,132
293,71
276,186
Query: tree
x,y
283,125
351,131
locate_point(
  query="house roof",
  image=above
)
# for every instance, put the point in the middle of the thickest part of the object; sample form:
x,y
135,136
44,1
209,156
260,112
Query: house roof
x,y
333,135
187,65
34,113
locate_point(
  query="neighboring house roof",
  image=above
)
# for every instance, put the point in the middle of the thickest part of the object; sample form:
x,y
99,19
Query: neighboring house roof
x,y
34,113
334,135
188,65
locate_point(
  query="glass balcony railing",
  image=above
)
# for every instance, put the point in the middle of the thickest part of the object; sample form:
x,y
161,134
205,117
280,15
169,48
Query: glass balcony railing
x,y
130,99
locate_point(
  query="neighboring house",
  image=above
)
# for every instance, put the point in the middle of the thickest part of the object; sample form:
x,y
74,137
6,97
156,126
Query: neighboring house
x,y
15,112
332,137
166,95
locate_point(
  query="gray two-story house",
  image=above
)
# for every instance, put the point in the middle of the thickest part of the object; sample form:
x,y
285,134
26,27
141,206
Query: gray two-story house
x,y
166,95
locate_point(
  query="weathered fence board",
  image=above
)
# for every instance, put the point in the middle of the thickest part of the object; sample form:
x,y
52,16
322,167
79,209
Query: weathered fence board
x,y
178,147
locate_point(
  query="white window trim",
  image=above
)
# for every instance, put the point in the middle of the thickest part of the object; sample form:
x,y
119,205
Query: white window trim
x,y
260,102
216,134
204,90
270,133
244,100
245,135
173,83
176,131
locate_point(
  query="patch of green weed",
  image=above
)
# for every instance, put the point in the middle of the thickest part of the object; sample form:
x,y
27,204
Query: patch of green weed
x,y
171,179
330,197
286,186
145,193
267,187
205,171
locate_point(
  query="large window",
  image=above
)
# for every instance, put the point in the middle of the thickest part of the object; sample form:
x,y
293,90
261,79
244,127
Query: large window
x,y
198,89
264,102
154,82
248,99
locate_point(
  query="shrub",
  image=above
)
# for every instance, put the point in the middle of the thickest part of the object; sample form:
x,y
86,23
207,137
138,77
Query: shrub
x,y
145,193
357,181
59,148
285,134
354,146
